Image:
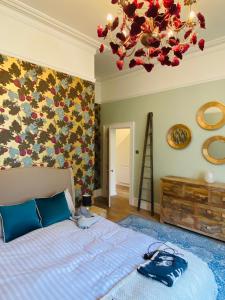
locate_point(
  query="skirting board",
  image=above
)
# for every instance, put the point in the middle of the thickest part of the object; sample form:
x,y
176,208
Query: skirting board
x,y
146,205
97,193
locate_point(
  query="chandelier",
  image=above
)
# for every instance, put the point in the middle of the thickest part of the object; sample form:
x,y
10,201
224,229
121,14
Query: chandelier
x,y
152,30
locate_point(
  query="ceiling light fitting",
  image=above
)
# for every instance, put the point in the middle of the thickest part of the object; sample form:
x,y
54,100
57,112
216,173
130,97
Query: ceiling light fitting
x,y
151,30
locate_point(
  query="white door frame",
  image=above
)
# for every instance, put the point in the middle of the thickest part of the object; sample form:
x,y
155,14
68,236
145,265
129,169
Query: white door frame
x,y
131,126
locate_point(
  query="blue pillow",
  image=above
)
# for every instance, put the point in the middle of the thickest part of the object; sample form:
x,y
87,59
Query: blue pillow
x,y
19,219
53,209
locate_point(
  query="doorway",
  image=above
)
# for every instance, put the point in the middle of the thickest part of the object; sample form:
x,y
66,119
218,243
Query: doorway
x,y
121,182
120,164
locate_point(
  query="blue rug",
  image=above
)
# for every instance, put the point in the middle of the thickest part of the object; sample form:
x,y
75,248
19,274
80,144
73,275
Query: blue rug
x,y
211,251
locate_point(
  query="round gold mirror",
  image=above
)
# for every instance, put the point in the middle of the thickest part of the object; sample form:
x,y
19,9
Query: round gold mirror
x,y
214,150
211,115
179,136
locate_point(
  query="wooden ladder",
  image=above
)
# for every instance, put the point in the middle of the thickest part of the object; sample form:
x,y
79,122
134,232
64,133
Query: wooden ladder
x,y
146,181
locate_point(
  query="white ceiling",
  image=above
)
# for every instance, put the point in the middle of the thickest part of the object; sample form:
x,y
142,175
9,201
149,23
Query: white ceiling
x,y
82,15
85,15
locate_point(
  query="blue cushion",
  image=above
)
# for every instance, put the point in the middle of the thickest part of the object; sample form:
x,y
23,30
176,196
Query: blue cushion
x,y
19,219
53,209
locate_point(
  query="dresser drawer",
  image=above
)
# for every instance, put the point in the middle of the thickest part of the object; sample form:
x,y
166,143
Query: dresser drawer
x,y
172,188
217,198
177,212
177,205
215,229
196,194
179,219
210,213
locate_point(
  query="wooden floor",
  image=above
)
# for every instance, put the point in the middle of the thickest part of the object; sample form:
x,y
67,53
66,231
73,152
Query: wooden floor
x,y
122,191
120,209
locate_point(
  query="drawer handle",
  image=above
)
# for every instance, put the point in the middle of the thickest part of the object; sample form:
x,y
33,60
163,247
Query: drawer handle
x,y
206,227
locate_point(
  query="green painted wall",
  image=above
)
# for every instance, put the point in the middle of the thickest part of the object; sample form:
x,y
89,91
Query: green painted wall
x,y
169,108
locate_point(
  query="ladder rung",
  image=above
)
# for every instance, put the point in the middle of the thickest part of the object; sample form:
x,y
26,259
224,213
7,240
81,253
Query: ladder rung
x,y
146,200
149,167
146,177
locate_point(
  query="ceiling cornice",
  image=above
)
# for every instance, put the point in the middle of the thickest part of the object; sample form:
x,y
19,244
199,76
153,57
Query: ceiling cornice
x,y
211,46
197,68
32,13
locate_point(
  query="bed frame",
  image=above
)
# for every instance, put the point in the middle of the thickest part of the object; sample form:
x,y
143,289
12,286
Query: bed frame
x,y
20,184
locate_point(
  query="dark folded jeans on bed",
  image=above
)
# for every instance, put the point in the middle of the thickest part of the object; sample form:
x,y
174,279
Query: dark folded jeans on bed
x,y
164,267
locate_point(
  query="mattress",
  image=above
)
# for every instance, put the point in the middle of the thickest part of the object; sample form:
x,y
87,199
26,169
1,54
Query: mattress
x,y
64,262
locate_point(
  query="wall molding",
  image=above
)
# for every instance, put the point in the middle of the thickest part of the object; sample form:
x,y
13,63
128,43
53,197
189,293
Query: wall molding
x,y
47,65
147,205
61,51
211,46
197,68
33,13
161,90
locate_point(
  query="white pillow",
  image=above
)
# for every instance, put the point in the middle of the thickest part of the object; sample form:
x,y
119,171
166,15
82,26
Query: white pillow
x,y
70,202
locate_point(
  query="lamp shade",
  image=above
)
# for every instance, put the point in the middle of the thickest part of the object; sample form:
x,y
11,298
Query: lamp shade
x,y
86,200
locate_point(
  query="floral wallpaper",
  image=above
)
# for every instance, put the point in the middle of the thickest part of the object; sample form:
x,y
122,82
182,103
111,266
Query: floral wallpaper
x,y
97,142
46,119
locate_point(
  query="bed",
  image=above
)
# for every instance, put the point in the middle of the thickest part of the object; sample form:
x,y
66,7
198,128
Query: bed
x,y
62,261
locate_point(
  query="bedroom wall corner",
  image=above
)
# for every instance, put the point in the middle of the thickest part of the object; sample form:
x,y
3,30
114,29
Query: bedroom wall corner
x,y
97,143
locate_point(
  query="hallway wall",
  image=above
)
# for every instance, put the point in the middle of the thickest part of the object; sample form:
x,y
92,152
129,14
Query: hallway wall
x,y
122,156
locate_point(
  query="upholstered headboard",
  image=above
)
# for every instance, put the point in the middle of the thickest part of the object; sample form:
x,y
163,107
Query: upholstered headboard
x,y
20,184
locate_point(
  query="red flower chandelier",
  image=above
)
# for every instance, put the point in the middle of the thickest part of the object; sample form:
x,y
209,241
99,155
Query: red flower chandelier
x,y
151,30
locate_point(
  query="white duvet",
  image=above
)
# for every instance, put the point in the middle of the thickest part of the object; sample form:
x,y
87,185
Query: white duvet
x,y
65,262
197,283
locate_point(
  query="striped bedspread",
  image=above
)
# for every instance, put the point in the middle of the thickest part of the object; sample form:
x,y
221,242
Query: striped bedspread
x,y
65,262
68,263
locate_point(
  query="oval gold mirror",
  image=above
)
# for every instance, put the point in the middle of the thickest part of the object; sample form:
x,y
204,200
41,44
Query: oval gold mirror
x,y
214,150
211,115
179,136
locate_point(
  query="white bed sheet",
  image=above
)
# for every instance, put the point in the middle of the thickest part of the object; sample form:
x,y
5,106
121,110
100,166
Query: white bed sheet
x,y
65,262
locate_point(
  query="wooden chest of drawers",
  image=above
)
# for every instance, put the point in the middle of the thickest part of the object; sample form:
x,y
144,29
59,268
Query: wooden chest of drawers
x,y
194,205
